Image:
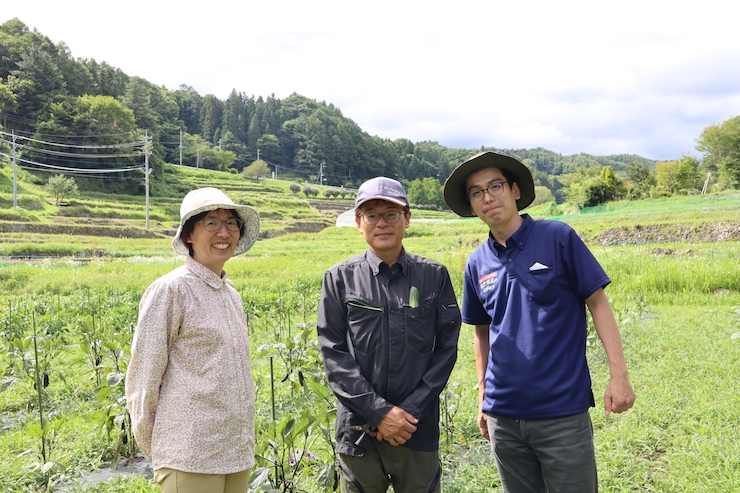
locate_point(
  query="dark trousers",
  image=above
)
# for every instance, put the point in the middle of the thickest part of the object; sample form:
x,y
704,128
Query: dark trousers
x,y
409,471
545,455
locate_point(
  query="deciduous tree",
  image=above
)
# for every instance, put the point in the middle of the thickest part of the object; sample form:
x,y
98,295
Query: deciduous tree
x,y
426,192
61,187
721,145
258,169
679,176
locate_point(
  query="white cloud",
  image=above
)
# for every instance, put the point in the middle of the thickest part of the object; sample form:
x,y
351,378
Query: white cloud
x,y
641,77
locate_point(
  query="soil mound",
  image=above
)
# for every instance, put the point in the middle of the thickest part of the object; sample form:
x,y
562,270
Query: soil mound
x,y
662,233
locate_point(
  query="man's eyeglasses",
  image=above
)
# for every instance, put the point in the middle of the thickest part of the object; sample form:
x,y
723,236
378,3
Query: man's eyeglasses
x,y
494,189
391,217
212,224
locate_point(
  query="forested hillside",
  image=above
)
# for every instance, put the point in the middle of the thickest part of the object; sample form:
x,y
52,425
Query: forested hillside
x,y
64,112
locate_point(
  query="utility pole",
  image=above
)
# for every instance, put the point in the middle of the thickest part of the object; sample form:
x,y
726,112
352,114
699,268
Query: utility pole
x,y
321,173
147,151
180,147
706,184
258,154
15,186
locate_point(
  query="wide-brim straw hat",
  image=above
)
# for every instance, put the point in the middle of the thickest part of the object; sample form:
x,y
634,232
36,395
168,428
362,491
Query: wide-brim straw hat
x,y
209,199
456,195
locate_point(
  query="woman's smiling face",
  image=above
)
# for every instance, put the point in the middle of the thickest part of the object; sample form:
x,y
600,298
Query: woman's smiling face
x,y
213,248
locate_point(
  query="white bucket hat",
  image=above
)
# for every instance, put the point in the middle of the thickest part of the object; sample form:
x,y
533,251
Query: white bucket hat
x,y
208,199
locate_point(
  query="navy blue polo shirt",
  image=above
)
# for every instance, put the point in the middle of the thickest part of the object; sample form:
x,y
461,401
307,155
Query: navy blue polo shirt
x,y
532,293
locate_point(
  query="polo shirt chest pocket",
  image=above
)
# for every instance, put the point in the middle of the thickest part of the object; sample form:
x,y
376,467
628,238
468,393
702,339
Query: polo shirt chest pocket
x,y
365,322
421,326
543,286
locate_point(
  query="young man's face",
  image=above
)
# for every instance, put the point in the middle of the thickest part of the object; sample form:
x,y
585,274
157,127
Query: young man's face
x,y
383,238
496,211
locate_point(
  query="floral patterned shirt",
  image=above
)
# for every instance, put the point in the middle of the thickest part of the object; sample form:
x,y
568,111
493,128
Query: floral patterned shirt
x,y
189,388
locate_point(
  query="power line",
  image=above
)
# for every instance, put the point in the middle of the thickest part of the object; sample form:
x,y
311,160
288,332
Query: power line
x,y
75,154
76,170
97,163
87,176
56,144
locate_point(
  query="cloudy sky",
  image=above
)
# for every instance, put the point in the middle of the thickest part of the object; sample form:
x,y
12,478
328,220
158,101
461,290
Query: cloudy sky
x,y
638,77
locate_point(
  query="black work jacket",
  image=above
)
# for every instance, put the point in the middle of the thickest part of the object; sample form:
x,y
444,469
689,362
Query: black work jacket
x,y
399,353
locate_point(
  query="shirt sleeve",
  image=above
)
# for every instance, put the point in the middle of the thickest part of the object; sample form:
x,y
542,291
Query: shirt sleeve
x,y
584,272
159,320
443,360
343,372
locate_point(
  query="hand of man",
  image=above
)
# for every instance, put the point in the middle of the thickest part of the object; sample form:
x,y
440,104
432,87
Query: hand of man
x,y
483,425
396,427
618,396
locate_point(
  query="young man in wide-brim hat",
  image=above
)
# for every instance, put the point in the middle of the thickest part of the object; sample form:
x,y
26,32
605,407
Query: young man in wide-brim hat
x,y
526,291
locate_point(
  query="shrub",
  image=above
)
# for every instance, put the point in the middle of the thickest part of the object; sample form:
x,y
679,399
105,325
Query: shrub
x,y
310,192
61,187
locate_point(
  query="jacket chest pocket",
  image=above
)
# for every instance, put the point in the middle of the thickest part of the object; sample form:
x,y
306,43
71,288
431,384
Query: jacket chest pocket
x,y
421,327
365,323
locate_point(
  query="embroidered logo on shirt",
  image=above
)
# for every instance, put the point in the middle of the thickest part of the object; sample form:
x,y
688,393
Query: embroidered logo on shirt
x,y
488,282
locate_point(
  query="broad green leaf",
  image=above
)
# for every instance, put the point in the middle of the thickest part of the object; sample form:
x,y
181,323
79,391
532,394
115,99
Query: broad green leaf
x,y
287,427
114,379
7,382
47,467
325,478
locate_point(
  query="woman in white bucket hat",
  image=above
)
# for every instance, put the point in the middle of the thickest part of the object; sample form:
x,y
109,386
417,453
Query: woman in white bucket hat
x,y
189,388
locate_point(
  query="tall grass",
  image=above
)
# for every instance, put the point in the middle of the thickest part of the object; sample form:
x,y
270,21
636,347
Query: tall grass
x,y
681,435
675,303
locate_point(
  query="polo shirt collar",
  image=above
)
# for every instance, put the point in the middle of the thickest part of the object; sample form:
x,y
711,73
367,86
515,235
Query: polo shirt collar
x,y
206,274
518,239
375,262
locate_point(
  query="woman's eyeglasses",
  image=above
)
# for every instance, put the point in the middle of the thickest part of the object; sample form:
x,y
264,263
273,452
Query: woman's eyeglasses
x,y
212,224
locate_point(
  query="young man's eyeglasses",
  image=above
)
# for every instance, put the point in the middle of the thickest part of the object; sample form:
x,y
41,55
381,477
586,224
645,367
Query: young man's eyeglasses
x,y
213,224
391,217
494,189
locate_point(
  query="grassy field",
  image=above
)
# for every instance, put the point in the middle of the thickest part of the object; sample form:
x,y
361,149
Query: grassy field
x,y
676,302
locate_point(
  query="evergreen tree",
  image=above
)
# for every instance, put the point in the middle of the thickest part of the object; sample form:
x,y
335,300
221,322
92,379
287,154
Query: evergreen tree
x,y
235,116
46,83
254,132
108,80
210,117
189,103
138,100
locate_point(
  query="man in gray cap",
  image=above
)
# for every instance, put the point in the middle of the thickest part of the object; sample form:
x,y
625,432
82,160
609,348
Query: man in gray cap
x,y
526,291
388,326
